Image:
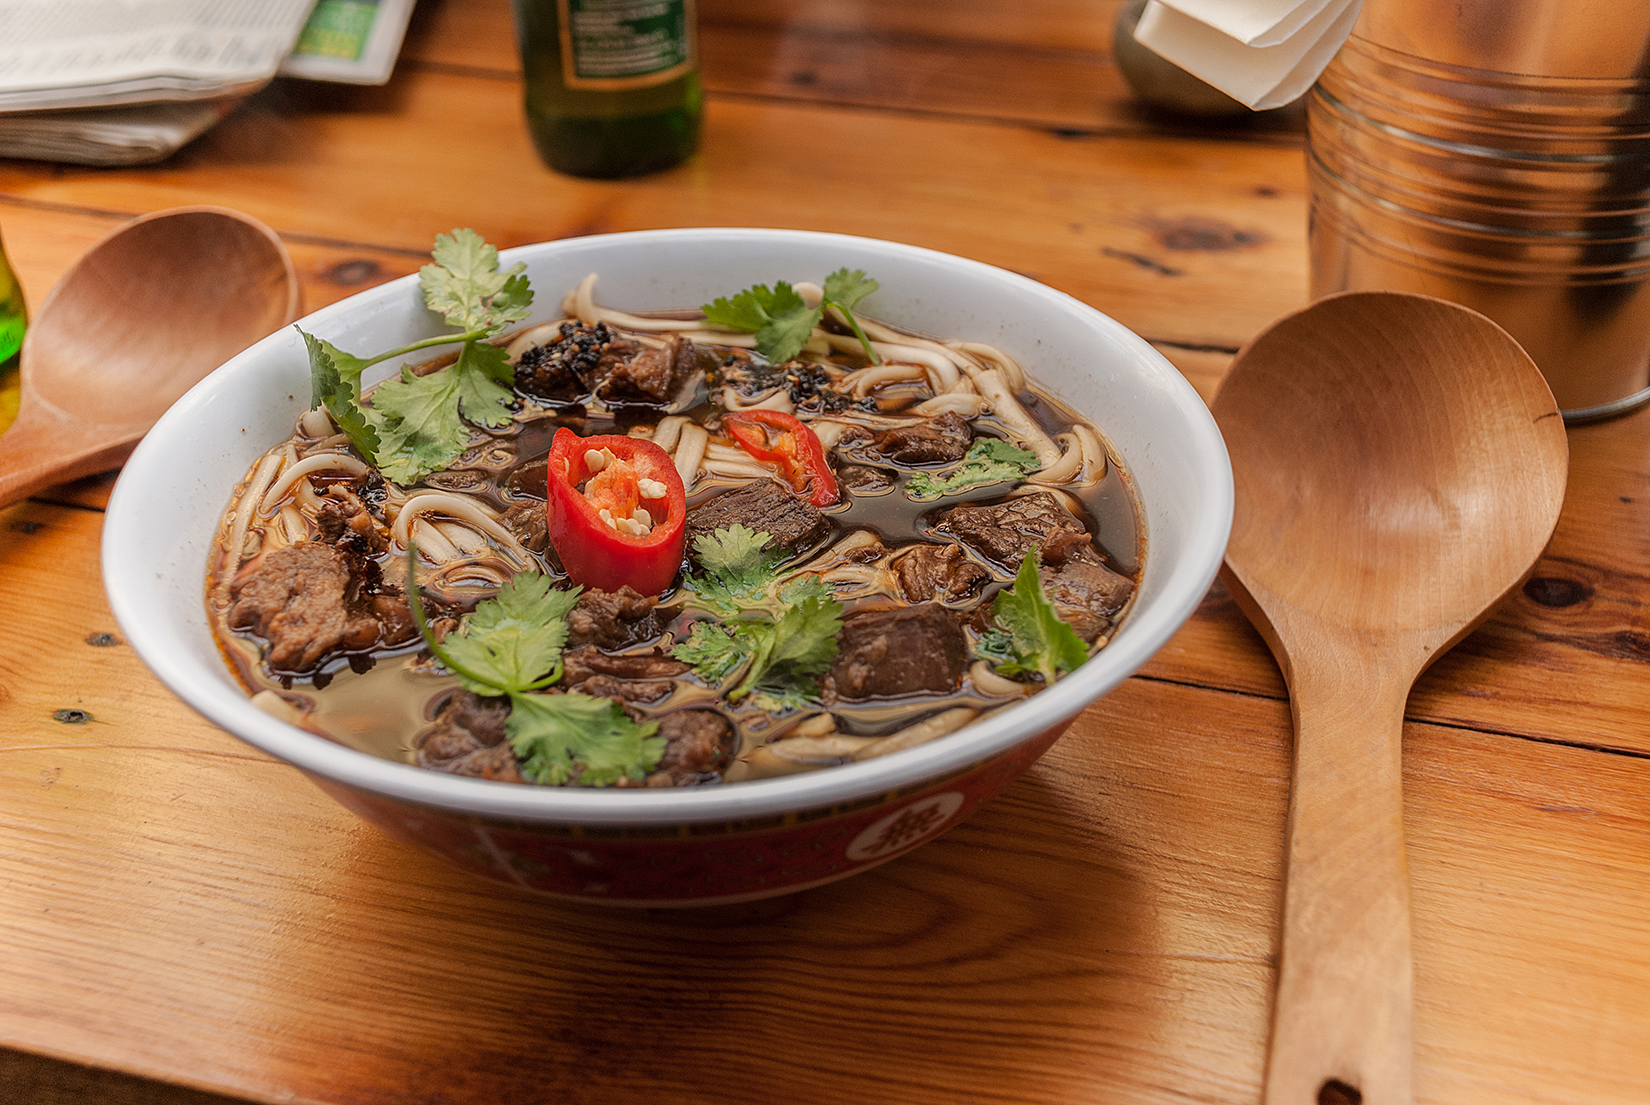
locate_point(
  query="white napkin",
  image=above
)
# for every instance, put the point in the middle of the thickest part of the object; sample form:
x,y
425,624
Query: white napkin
x,y
1264,53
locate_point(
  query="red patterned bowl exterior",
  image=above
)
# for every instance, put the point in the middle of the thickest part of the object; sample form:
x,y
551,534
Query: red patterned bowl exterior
x,y
700,864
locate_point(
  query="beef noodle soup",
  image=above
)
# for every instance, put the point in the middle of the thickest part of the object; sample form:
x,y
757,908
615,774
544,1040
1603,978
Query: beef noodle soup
x,y
654,555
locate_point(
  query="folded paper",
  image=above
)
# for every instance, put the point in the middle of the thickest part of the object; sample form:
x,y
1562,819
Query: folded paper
x,y
1263,53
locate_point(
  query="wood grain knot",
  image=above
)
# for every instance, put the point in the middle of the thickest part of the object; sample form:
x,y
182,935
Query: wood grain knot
x,y
103,640
1336,1092
350,273
71,717
1204,234
1550,591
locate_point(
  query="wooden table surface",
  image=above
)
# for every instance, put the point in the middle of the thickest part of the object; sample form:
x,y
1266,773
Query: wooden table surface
x,y
177,907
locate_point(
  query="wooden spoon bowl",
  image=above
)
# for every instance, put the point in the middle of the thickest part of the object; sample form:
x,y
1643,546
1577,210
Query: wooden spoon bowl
x,y
142,317
1399,466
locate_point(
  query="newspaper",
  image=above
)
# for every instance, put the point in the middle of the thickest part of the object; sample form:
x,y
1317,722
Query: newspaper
x,y
351,41
131,134
94,53
126,82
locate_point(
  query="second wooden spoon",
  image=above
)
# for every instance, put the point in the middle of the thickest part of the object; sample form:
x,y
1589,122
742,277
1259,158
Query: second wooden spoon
x,y
141,318
1399,466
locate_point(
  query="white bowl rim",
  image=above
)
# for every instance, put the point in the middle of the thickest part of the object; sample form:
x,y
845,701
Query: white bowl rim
x,y
1145,631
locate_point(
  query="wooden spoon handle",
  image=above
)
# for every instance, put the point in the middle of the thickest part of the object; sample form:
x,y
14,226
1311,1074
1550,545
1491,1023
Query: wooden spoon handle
x,y
45,447
1341,1026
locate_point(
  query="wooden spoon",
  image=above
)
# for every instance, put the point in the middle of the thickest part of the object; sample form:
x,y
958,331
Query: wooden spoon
x,y
144,315
1400,465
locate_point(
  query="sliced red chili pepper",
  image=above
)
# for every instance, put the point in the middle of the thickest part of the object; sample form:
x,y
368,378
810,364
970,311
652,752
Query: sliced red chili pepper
x,y
785,440
592,509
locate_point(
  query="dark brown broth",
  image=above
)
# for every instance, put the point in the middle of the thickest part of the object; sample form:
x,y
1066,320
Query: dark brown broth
x,y
380,707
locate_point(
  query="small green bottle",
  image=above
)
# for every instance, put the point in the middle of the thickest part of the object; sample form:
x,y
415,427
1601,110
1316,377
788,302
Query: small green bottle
x,y
612,86
14,318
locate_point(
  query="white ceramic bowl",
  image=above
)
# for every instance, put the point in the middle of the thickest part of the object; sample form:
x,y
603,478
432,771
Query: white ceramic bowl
x,y
692,844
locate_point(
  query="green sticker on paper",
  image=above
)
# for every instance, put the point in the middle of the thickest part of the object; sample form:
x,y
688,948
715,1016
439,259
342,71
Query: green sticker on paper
x,y
337,29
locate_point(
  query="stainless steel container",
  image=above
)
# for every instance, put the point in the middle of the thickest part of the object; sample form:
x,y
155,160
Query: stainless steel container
x,y
1497,153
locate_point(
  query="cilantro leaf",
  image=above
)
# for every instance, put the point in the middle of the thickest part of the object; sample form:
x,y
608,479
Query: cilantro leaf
x,y
798,694
513,641
481,370
506,647
335,383
989,460
713,651
421,427
734,550
464,284
755,307
1041,641
997,646
783,338
780,319
416,423
738,568
845,288
800,645
562,737
808,586
514,301
783,656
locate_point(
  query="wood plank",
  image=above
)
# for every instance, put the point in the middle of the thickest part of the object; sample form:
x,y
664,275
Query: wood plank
x,y
1083,25
1052,68
1195,242
480,34
1102,931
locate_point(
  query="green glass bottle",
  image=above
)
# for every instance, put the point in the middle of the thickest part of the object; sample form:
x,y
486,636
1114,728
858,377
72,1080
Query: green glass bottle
x,y
14,318
612,86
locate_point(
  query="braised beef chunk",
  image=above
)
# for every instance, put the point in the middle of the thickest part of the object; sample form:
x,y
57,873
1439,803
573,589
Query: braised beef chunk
x,y
317,599
1086,595
296,598
900,651
568,368
1004,532
939,571
766,506
613,619
528,522
938,440
630,690
588,661
1085,592
862,477
652,376
531,480
699,746
345,520
467,738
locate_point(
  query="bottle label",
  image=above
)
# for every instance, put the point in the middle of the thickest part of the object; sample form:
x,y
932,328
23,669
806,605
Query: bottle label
x,y
616,44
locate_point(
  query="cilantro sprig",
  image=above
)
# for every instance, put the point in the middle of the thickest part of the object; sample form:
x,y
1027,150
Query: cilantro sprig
x,y
783,322
737,568
416,424
740,573
1029,636
989,460
511,646
780,658
740,580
